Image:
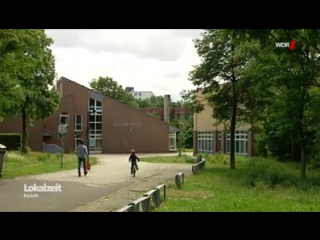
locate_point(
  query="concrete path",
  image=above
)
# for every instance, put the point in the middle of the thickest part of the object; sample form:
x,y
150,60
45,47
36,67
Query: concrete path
x,y
111,174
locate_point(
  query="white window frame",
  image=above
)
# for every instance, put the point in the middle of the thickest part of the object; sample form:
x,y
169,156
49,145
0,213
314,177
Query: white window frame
x,y
173,136
77,124
241,137
66,116
205,142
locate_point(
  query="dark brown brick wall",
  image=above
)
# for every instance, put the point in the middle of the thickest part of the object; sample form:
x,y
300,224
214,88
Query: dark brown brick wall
x,y
125,128
35,132
146,134
74,101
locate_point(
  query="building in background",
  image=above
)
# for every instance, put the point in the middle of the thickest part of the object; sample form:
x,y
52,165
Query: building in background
x,y
107,126
210,138
176,112
140,94
167,114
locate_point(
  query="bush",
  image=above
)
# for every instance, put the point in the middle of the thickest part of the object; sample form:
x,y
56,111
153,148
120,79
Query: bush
x,y
11,140
268,172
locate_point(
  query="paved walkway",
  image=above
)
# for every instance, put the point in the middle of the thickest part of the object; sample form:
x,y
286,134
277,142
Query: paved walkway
x,y
107,187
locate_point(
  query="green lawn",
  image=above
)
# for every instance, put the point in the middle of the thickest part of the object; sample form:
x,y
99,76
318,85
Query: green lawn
x,y
188,150
174,159
257,185
17,164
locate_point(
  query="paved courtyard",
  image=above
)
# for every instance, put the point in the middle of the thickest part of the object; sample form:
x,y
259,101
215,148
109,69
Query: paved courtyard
x,y
107,187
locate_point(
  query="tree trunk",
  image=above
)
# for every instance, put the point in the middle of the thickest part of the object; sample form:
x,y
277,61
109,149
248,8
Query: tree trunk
x,y
292,149
232,145
303,167
253,134
24,141
233,131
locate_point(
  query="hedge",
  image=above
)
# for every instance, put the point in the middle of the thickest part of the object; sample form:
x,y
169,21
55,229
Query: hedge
x,y
11,140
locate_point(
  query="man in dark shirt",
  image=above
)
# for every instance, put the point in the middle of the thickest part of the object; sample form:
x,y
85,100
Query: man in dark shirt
x,y
133,159
82,153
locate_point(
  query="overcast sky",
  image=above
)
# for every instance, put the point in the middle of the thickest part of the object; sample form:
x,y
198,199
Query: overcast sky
x,y
148,60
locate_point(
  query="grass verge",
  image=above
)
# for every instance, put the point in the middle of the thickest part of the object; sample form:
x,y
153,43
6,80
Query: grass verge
x,y
188,150
257,185
173,159
17,164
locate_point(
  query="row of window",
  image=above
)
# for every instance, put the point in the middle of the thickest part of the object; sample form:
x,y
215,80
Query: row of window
x,y
77,122
95,117
205,142
184,116
95,142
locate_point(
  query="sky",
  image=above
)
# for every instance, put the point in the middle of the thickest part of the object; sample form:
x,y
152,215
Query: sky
x,y
148,60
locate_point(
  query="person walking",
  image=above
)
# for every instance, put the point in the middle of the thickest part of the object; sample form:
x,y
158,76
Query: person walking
x,y
82,153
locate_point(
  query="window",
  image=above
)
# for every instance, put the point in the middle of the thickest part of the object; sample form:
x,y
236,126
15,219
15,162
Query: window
x,y
78,121
205,142
92,118
91,103
172,141
64,118
188,115
99,118
139,93
240,141
91,126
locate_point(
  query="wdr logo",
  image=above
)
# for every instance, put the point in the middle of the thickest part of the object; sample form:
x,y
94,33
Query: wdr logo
x,y
290,45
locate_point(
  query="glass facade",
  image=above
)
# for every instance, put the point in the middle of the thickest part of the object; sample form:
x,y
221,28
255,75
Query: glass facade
x,y
205,142
95,126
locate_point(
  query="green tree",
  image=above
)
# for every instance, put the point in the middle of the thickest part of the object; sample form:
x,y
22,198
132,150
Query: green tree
x,y
291,76
35,73
110,88
9,46
190,100
218,75
155,102
143,103
154,114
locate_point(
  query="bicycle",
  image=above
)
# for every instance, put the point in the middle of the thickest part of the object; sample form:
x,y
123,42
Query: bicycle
x,y
133,170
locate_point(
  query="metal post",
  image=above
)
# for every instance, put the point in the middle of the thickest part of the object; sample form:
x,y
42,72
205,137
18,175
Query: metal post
x,y
62,151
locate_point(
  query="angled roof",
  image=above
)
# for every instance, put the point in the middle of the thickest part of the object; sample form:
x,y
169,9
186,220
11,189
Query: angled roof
x,y
173,129
46,133
110,99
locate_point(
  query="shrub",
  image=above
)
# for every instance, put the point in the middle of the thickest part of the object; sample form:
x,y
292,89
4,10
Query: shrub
x,y
268,172
11,140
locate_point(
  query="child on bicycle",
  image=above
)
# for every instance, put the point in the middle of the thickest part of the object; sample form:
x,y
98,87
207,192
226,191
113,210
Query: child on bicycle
x,y
133,159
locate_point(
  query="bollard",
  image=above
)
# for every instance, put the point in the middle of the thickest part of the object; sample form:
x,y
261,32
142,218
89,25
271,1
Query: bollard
x,y
136,204
158,188
125,209
179,179
152,194
195,168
